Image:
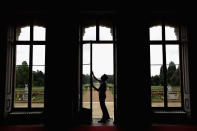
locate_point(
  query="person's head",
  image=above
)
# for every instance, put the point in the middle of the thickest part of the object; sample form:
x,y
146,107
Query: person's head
x,y
104,77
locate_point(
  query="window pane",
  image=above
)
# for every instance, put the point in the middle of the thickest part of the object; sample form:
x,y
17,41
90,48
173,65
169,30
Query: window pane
x,y
157,77
171,33
86,53
86,87
156,54
22,54
157,88
102,63
23,33
38,54
102,59
172,54
89,33
105,33
39,33
38,76
174,87
173,76
155,33
21,87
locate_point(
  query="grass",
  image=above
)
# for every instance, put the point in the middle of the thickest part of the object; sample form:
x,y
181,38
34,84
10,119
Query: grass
x,y
160,88
35,88
156,98
37,94
157,92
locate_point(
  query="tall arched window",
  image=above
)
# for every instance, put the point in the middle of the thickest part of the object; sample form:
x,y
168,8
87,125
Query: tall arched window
x,y
29,74
98,46
166,65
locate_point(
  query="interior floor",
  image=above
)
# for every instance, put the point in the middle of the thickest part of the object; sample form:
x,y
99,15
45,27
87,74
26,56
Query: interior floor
x,y
96,123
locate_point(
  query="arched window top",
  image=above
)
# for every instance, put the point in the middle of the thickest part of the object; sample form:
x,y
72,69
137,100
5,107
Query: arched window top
x,y
105,33
155,32
39,33
104,28
89,30
171,31
89,33
23,33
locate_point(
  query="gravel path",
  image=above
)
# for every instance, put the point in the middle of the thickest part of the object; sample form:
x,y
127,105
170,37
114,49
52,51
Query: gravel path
x,y
95,97
96,105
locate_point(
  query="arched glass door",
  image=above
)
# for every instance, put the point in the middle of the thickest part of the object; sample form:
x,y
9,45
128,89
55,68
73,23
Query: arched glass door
x,y
98,56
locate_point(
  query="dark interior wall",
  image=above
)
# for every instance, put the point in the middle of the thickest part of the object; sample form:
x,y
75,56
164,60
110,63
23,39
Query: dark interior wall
x,y
62,61
192,65
2,67
132,58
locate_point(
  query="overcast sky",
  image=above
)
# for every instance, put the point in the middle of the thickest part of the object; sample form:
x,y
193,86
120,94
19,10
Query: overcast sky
x,y
102,53
102,59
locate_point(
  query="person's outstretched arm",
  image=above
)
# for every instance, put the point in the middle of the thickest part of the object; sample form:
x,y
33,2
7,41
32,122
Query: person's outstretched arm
x,y
95,77
95,88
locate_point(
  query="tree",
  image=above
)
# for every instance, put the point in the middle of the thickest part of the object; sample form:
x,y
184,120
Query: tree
x,y
38,78
173,76
85,79
171,70
155,80
110,79
172,66
161,75
175,79
22,75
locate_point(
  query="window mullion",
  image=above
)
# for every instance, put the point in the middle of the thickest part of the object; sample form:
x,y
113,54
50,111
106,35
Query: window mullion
x,y
30,68
91,80
181,74
97,30
30,77
180,66
164,66
14,67
81,33
114,33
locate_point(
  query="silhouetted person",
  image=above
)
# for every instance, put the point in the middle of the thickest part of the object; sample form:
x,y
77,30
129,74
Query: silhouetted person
x,y
102,96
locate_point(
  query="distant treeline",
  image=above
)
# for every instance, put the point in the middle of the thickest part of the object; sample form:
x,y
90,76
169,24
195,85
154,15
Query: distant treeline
x,y
86,79
172,76
22,76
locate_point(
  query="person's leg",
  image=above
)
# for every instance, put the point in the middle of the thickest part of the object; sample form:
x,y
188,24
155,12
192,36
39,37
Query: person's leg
x,y
104,109
105,112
